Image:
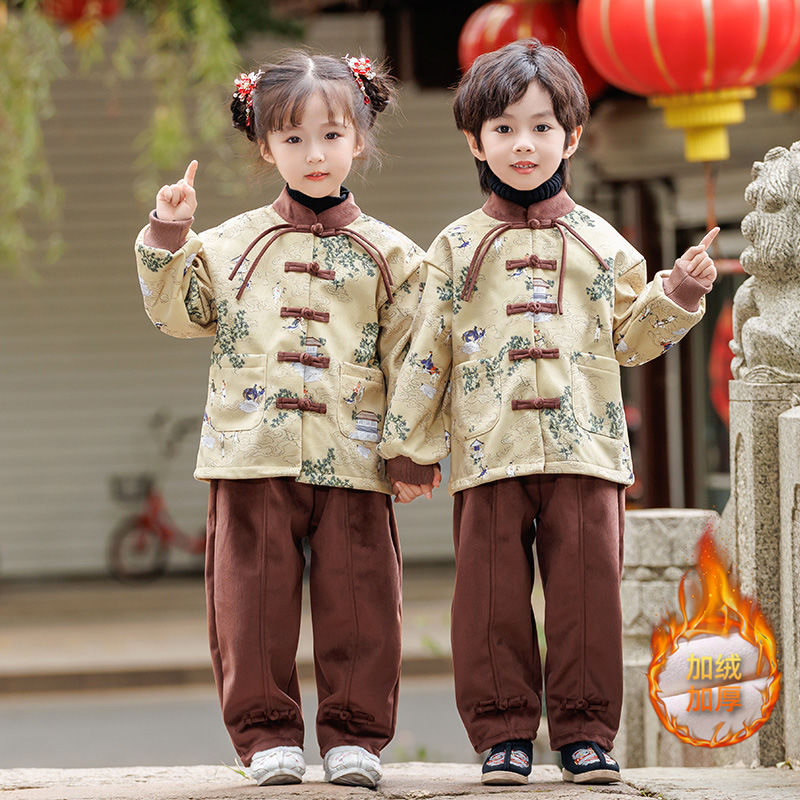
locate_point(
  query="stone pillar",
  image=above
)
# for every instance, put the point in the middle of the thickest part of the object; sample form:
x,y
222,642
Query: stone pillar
x,y
753,536
766,371
789,444
659,548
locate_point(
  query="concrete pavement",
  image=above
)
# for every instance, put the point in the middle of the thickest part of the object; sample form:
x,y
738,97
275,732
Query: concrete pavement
x,y
100,634
410,781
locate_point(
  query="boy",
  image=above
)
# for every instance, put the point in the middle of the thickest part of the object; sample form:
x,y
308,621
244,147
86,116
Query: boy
x,y
530,306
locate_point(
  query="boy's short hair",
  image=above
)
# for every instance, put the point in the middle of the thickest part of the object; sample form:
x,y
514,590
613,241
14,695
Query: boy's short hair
x,y
497,79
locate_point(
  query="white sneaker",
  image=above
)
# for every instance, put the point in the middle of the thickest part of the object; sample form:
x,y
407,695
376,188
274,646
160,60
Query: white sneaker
x,y
353,766
277,765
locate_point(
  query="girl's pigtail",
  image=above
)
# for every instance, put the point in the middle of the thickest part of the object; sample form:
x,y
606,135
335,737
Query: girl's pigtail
x,y
242,103
241,119
380,92
373,82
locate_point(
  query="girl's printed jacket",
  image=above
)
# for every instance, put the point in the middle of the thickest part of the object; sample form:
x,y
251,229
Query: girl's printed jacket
x,y
524,377
308,341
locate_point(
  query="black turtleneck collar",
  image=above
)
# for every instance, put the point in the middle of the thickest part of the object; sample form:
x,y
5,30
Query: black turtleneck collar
x,y
318,204
550,188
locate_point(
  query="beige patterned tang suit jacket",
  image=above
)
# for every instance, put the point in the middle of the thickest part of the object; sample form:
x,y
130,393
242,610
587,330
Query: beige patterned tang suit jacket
x,y
310,327
514,364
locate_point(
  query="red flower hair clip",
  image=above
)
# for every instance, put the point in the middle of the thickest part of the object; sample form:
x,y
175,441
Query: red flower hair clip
x,y
245,84
361,68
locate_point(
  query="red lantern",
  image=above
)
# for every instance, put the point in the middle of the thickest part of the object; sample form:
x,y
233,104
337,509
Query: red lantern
x,y
698,59
72,11
497,24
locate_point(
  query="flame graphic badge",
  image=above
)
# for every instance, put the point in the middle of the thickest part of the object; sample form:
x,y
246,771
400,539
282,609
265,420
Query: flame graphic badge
x,y
714,676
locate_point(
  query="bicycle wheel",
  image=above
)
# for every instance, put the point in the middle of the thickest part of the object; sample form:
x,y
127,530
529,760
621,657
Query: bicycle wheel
x,y
136,553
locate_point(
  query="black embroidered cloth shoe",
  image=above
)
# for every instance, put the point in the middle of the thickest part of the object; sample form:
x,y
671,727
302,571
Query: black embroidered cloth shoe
x,y
508,762
587,762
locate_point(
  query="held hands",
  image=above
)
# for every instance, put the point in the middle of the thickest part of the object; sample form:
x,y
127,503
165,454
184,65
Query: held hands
x,y
406,492
698,263
178,201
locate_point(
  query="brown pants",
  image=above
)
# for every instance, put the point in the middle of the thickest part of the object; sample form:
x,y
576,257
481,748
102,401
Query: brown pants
x,y
254,578
498,676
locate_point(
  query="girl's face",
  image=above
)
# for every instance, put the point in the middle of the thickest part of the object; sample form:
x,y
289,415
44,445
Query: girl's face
x,y
524,146
316,156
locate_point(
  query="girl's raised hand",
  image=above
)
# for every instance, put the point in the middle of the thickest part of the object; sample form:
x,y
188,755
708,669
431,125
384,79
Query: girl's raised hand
x,y
698,263
178,201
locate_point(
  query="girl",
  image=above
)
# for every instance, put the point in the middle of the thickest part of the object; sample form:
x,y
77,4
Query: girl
x,y
531,305
310,303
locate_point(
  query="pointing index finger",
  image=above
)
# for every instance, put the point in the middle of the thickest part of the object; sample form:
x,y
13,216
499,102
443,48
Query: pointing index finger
x,y
192,169
709,237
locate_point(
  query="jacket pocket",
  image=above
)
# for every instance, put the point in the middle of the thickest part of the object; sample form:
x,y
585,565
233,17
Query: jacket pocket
x,y
236,394
475,402
597,395
362,402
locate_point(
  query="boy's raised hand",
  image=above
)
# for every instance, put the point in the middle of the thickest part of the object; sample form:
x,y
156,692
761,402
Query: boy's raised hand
x,y
698,263
178,201
406,492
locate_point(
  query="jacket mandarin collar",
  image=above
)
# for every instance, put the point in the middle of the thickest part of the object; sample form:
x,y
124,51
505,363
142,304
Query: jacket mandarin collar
x,y
331,222
297,214
506,211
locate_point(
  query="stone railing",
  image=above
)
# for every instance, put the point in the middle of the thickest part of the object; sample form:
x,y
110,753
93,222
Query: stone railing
x,y
760,520
759,531
659,549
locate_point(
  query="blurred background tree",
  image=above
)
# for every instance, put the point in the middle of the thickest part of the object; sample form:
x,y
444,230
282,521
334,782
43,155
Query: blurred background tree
x,y
28,197
186,49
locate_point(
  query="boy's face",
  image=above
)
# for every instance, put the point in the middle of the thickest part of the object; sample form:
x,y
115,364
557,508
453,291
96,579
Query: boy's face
x,y
525,145
316,156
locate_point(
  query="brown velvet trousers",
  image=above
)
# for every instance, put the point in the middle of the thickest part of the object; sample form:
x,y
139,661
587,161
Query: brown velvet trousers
x,y
254,579
577,522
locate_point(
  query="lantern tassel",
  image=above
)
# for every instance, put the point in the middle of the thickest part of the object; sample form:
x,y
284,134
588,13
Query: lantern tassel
x,y
704,116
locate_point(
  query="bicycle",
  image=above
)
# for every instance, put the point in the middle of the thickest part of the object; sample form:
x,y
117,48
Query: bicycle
x,y
138,548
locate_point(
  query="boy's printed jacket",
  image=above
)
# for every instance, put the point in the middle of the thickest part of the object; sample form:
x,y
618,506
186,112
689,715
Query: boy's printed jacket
x,y
304,359
524,377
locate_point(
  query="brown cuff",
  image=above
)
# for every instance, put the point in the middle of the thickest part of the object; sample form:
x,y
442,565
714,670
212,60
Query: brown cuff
x,y
167,234
402,468
683,289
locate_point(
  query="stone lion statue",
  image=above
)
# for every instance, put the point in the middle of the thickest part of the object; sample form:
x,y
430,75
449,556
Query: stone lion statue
x,y
766,308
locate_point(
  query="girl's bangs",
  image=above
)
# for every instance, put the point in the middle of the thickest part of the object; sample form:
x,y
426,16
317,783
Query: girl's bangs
x,y
338,99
